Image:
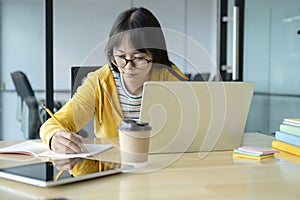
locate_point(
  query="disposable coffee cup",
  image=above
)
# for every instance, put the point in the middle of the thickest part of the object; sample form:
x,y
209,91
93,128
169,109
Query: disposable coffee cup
x,y
134,142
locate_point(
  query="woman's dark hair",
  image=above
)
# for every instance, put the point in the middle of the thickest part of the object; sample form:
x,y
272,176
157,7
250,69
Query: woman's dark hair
x,y
144,33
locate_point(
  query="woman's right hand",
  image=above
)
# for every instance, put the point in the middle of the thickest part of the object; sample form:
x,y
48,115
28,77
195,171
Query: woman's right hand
x,y
66,142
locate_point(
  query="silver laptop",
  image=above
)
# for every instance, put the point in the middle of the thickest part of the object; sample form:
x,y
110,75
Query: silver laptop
x,y
44,174
196,116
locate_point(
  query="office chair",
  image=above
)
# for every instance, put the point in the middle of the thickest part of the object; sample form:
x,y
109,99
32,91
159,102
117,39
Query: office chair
x,y
30,120
78,75
188,75
201,77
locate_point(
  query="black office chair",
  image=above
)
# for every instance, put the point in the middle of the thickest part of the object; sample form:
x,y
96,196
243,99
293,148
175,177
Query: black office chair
x,y
25,92
188,75
201,77
78,75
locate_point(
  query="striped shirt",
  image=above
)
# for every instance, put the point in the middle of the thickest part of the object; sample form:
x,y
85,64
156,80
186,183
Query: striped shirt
x,y
130,104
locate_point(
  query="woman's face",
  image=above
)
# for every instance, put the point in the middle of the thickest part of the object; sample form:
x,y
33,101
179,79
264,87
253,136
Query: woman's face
x,y
132,64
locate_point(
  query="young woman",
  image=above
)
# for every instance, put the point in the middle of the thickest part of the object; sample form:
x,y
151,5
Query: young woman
x,y
137,53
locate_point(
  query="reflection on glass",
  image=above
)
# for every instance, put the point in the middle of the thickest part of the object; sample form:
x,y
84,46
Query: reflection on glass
x,y
79,166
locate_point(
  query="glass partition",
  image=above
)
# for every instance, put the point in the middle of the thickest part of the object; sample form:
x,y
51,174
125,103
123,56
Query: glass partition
x,y
272,57
22,50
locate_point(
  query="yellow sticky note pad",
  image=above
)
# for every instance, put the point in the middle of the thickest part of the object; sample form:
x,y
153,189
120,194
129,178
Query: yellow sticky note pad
x,y
238,155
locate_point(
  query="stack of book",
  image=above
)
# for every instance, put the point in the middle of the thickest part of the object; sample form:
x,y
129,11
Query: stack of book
x,y
288,136
255,153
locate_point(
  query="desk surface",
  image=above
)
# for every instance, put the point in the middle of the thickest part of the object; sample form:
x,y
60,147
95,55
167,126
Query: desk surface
x,y
190,176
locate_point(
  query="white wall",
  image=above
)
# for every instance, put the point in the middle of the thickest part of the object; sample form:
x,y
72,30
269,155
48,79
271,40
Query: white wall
x,y
22,40
81,28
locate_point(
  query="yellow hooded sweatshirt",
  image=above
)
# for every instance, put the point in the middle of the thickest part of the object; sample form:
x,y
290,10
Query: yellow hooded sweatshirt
x,y
98,98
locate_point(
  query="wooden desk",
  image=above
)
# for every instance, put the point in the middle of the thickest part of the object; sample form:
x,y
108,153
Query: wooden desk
x,y
191,176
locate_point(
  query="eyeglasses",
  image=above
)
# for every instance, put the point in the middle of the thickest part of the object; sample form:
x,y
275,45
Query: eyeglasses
x,y
138,62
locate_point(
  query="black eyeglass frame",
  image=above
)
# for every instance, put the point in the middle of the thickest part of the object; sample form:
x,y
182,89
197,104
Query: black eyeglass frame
x,y
113,61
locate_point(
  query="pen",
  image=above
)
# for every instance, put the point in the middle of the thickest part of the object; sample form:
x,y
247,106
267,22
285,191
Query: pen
x,y
52,115
58,175
62,127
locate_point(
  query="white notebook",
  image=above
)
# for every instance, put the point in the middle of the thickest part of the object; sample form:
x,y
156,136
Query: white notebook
x,y
39,149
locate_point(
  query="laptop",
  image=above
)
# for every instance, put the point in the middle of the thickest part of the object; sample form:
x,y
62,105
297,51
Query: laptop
x,y
45,174
196,116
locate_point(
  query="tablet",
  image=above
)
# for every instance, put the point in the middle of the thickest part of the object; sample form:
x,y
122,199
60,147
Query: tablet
x,y
45,174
